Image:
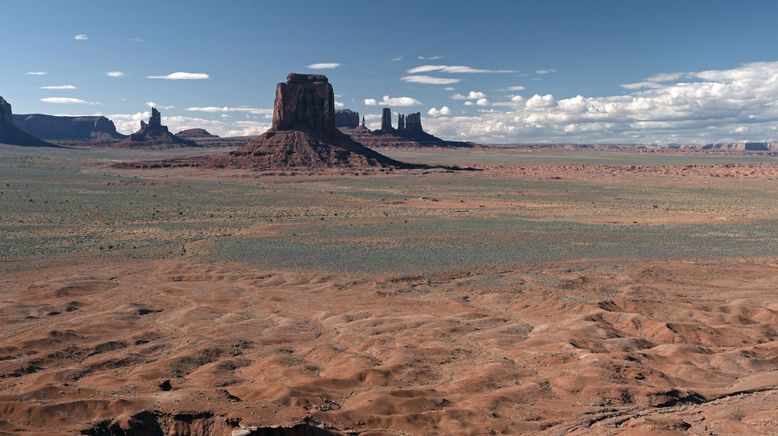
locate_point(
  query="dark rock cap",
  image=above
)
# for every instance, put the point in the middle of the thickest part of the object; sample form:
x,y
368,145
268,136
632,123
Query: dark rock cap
x,y
299,78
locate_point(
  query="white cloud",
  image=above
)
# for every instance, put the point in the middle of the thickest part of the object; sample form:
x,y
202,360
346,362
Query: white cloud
x,y
515,88
432,58
57,87
37,73
81,37
472,95
180,75
65,100
397,59
160,107
665,77
734,104
429,80
435,112
482,102
223,109
392,101
455,69
324,66
338,104
115,74
546,71
640,85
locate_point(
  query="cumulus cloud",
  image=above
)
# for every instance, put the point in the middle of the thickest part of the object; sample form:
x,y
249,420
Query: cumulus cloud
x,y
455,69
482,102
429,80
37,73
115,74
180,75
392,101
338,104
81,37
324,66
472,95
57,87
734,104
65,100
224,109
435,112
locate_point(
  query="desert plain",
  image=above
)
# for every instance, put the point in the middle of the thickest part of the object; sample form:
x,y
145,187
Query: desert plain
x,y
540,291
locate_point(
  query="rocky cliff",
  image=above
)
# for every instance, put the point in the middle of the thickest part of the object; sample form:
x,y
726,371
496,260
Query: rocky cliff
x,y
88,128
345,118
10,134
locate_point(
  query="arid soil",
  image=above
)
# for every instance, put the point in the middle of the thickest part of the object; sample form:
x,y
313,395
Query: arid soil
x,y
617,296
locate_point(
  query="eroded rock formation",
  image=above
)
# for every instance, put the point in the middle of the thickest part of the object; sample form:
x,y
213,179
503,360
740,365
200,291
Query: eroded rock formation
x,y
154,135
347,119
10,134
409,133
386,120
54,128
303,133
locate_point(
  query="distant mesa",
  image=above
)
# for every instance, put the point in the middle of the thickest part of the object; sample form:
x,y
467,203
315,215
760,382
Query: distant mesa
x,y
303,133
154,136
67,129
195,134
409,133
347,119
12,135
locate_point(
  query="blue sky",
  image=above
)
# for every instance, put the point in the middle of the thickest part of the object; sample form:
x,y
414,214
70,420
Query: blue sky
x,y
518,71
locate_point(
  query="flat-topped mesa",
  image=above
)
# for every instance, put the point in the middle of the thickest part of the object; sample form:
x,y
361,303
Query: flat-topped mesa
x,y
306,102
12,135
66,129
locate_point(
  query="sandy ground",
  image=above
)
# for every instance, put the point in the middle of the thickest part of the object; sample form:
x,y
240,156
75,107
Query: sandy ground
x,y
148,340
577,347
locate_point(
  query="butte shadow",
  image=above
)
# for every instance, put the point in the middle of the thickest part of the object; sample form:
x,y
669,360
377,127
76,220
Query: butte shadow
x,y
303,136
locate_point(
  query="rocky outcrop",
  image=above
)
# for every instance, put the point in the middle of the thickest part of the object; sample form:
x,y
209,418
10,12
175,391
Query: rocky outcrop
x,y
55,128
409,133
154,135
10,134
413,125
386,120
347,119
195,134
303,134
